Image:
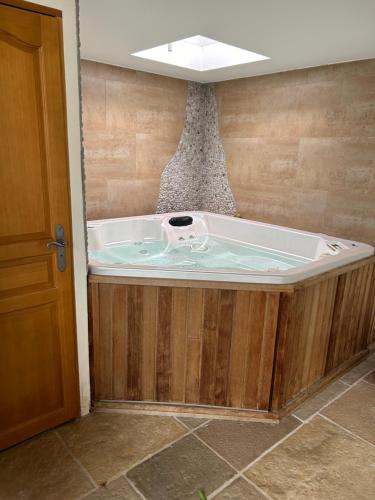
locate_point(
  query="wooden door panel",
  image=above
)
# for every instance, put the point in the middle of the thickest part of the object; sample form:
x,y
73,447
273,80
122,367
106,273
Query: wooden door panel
x,y
38,362
22,132
28,275
30,347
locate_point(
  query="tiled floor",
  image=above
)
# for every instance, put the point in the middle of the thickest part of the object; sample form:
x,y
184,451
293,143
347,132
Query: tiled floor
x,y
325,451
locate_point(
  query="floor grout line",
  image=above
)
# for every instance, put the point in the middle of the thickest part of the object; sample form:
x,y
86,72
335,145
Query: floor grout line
x,y
232,479
132,485
85,495
346,430
192,428
84,470
297,418
124,472
222,487
346,383
258,488
275,445
367,382
338,396
216,453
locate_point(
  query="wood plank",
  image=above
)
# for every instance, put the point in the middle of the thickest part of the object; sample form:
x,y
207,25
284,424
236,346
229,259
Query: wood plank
x,y
224,333
134,343
209,346
186,410
323,322
369,319
239,349
193,366
178,343
256,319
120,345
104,372
150,314
362,326
267,353
195,316
283,341
163,350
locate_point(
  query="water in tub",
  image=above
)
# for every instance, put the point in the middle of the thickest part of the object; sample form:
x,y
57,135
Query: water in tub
x,y
189,250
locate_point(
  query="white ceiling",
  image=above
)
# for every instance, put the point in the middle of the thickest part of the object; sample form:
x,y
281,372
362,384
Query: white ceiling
x,y
292,33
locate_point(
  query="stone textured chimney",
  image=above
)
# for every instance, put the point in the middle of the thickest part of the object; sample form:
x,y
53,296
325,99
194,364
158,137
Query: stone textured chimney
x,y
196,177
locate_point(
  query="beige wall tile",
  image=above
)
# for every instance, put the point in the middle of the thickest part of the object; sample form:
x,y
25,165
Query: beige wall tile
x,y
153,154
300,147
132,122
93,103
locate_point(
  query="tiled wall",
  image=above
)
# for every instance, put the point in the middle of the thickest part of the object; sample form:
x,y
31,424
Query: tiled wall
x,y
132,122
300,148
300,145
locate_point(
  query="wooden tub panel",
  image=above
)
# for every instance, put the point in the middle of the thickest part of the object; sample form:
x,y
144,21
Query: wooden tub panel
x,y
303,337
321,327
172,344
236,346
348,335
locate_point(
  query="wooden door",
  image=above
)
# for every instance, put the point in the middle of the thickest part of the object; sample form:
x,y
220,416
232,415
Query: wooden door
x,y
38,363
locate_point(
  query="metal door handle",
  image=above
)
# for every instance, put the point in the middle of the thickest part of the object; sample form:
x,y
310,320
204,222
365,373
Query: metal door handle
x,y
60,245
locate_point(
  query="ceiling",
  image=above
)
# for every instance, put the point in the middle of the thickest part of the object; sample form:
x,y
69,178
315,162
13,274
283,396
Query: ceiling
x,y
292,33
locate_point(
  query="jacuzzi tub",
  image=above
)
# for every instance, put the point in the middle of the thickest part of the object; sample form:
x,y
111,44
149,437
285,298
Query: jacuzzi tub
x,y
216,319
214,248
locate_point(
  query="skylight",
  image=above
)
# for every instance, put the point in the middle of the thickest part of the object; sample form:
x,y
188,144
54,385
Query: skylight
x,y
200,53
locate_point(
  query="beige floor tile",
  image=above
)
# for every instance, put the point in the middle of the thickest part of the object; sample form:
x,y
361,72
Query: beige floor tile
x,y
371,377
119,489
318,462
41,469
192,422
358,371
315,403
108,443
178,472
355,411
242,442
239,490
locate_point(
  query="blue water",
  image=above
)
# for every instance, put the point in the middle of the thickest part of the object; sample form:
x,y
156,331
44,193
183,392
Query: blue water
x,y
200,253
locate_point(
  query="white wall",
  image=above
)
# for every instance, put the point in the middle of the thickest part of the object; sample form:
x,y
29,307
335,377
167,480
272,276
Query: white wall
x,y
68,8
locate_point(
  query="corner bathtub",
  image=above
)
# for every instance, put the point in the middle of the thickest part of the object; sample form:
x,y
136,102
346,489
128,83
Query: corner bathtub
x,y
246,251
224,317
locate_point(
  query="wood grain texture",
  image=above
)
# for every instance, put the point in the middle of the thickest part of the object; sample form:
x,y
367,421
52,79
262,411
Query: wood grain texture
x,y
38,361
222,347
322,327
171,344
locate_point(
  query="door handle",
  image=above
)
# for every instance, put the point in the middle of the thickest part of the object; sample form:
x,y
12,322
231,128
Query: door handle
x,y
60,245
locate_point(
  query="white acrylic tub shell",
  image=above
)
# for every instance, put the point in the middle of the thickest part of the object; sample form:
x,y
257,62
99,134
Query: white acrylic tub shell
x,y
323,253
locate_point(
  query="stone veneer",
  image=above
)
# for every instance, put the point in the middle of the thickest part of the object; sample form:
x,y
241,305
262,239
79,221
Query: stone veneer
x,y
196,177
